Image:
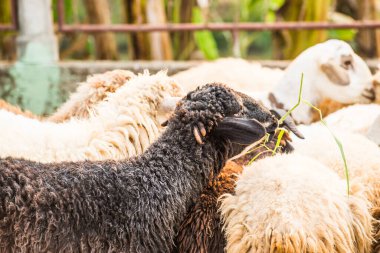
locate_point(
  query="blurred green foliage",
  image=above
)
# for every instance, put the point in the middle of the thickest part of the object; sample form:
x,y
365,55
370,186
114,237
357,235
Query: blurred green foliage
x,y
185,45
204,39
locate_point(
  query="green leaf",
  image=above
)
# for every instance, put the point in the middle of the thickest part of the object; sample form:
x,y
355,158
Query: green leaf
x,y
204,39
274,5
270,17
342,34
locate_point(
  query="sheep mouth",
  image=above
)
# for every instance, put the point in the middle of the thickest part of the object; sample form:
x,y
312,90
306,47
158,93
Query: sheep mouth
x,y
266,150
369,94
285,141
288,123
289,126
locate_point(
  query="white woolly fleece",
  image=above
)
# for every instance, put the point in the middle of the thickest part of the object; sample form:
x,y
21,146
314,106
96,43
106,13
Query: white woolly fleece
x,y
293,203
355,118
122,126
89,93
237,73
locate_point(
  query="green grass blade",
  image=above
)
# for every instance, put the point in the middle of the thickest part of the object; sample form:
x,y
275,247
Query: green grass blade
x,y
294,107
279,138
338,142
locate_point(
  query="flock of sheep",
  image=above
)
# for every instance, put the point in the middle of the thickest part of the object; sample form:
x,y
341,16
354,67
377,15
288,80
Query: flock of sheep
x,y
152,163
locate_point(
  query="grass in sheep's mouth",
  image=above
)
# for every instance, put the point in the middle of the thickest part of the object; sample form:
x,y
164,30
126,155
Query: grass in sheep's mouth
x,y
283,130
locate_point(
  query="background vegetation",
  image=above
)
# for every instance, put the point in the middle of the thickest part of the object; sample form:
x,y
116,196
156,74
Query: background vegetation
x,y
204,44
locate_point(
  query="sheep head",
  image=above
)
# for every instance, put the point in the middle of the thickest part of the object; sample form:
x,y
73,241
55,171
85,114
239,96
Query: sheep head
x,y
347,77
216,113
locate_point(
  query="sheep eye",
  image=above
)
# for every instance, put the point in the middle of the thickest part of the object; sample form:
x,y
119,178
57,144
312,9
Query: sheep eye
x,y
347,64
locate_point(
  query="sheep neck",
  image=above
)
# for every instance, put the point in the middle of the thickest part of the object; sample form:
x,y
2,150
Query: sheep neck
x,y
197,161
174,170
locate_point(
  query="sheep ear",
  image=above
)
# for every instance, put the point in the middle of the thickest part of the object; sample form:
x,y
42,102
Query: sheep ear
x,y
239,130
335,73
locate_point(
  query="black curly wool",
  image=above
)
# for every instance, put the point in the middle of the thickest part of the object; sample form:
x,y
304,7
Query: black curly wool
x,y
121,206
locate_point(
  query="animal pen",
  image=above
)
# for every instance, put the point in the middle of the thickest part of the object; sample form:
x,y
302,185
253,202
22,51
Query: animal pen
x,y
37,50
167,126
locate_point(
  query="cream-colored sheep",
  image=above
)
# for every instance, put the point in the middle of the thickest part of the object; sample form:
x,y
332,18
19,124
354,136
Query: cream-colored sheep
x,y
363,161
355,118
123,125
293,203
362,155
237,73
90,93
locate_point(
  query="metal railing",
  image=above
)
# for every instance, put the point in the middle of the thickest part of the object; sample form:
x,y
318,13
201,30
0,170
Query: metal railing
x,y
233,27
13,26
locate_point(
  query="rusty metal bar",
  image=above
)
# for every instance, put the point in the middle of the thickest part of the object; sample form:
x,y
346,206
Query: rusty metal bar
x,y
14,10
233,27
13,26
6,27
60,15
90,28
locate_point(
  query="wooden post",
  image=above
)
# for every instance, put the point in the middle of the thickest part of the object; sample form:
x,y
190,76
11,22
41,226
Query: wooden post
x,y
36,28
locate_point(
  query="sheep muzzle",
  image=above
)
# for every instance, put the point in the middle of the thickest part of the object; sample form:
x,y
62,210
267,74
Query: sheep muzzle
x,y
369,94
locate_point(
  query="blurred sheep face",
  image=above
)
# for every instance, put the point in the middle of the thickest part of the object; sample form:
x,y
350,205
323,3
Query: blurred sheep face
x,y
348,76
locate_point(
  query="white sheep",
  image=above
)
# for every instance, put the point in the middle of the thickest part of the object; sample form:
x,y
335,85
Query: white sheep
x,y
363,161
331,70
293,203
277,199
122,126
355,118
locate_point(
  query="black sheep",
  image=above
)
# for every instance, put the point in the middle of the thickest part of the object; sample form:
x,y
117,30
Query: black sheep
x,y
134,205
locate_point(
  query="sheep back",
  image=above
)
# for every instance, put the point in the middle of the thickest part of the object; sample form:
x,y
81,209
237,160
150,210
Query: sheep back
x,y
89,93
292,203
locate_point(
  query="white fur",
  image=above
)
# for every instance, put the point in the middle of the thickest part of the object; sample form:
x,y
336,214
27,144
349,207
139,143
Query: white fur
x,y
299,202
258,81
293,203
374,131
355,118
316,86
89,93
122,126
237,73
362,155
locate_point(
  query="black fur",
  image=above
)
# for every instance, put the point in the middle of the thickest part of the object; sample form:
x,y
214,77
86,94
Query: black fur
x,y
124,206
